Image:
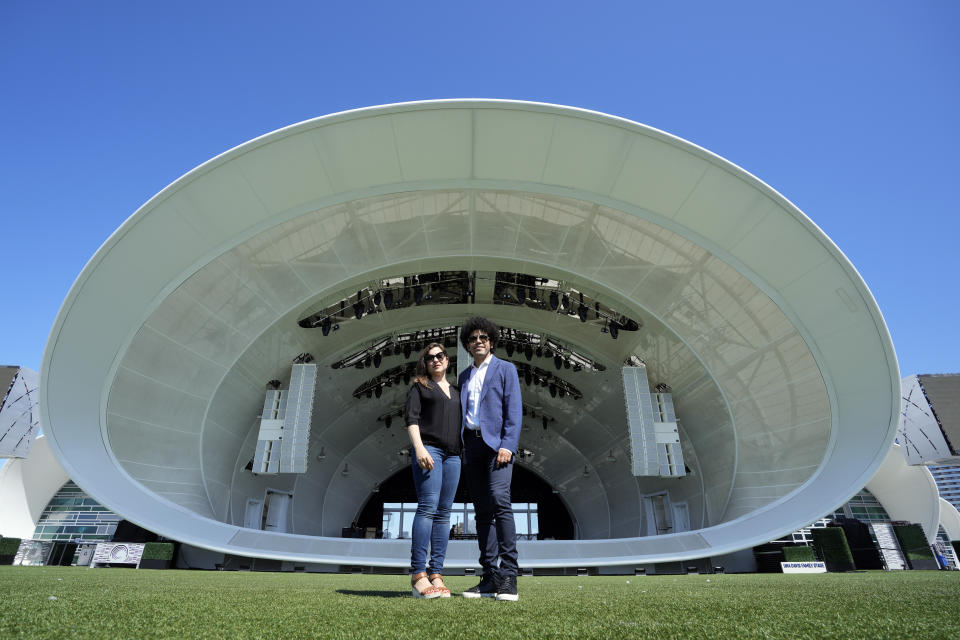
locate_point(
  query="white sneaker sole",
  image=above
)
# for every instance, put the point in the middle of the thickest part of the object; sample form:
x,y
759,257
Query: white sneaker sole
x,y
512,597
476,596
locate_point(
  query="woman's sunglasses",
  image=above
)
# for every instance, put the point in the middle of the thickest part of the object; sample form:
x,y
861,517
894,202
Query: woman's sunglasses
x,y
440,355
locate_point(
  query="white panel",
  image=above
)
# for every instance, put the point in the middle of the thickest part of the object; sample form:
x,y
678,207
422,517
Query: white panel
x,y
586,155
278,506
218,204
166,361
285,173
657,176
919,433
724,207
359,153
434,144
511,144
19,415
780,248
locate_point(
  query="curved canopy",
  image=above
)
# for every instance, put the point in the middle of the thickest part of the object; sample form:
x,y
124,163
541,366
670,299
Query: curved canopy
x,y
781,369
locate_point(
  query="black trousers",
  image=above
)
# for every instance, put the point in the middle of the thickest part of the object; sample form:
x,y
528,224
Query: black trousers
x,y
489,487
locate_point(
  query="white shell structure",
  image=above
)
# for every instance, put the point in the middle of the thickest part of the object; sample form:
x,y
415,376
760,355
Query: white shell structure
x,y
782,373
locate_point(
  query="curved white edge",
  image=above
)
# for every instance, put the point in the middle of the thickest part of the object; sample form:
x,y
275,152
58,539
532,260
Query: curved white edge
x,y
950,519
181,524
26,487
907,492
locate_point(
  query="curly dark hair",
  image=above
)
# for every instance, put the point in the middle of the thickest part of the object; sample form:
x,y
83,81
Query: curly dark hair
x,y
479,322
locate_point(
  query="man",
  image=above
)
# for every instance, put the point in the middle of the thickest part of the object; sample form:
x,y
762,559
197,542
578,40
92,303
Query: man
x,y
492,418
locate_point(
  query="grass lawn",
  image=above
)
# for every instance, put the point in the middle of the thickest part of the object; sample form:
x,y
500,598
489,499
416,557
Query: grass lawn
x,y
70,602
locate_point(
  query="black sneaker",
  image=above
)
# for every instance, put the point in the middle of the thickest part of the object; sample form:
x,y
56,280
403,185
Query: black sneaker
x,y
508,589
486,589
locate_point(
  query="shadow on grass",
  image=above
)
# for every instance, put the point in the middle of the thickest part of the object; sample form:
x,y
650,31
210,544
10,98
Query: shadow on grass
x,y
373,593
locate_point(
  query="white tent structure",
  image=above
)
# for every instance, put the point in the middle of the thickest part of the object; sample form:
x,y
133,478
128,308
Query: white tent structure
x,y
908,493
26,487
781,369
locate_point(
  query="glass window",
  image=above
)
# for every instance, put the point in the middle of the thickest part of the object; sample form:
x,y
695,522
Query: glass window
x,y
391,523
520,519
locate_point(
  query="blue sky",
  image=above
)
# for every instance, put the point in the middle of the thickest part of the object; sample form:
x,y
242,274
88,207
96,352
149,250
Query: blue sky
x,y
848,108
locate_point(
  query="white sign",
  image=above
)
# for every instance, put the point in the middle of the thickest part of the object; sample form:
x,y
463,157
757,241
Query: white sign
x,y
803,567
117,553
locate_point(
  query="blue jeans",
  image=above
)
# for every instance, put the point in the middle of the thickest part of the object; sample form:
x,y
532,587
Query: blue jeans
x,y
436,489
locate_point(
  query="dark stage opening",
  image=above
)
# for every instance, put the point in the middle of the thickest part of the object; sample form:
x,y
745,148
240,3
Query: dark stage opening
x,y
555,522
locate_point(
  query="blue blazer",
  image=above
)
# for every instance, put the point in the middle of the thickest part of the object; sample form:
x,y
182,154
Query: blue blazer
x,y
501,407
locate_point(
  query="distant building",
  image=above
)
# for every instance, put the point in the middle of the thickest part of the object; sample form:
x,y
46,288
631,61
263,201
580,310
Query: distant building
x,y
947,477
19,415
38,501
930,418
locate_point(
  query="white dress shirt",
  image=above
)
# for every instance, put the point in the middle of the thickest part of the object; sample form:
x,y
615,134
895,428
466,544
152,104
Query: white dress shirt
x,y
474,389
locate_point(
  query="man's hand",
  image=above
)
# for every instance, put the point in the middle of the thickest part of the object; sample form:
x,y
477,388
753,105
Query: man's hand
x,y
503,457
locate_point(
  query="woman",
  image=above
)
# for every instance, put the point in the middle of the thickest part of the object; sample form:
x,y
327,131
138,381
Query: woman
x,y
433,423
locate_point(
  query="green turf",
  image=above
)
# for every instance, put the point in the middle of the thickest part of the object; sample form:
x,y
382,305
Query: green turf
x,y
127,603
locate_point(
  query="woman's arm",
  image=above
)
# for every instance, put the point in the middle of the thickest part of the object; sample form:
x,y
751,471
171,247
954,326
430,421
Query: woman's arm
x,y
412,413
424,459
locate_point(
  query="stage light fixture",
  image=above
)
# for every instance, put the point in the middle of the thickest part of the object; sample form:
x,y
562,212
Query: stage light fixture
x,y
521,295
358,310
406,349
388,421
388,298
510,348
553,390
554,301
528,352
325,326
376,299
557,361
418,294
614,329
378,391
377,359
566,302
